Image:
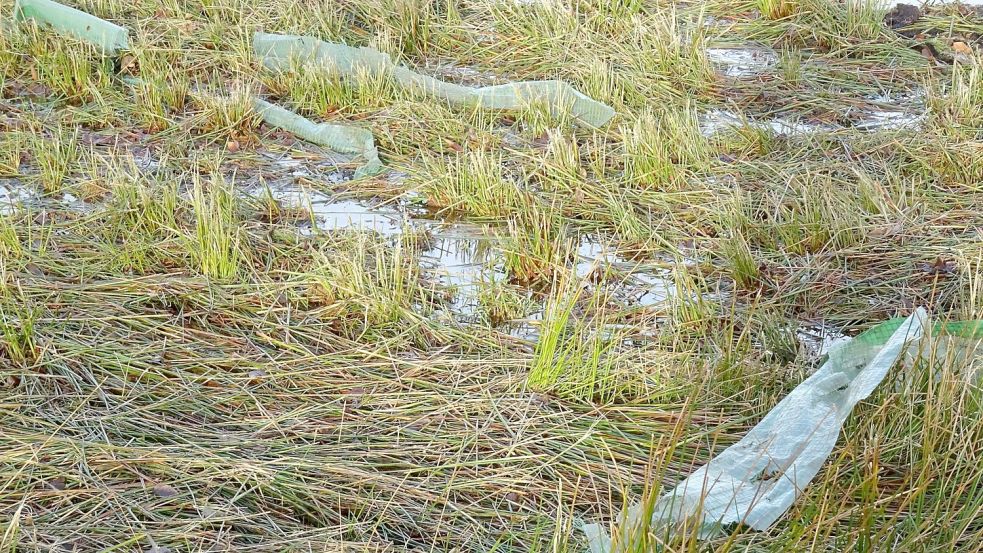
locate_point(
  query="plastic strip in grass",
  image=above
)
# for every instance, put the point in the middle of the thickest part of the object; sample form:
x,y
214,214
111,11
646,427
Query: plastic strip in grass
x,y
344,139
756,480
281,52
107,36
961,340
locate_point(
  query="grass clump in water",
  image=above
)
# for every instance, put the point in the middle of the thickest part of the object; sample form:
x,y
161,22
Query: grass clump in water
x,y
537,247
663,147
217,244
471,182
12,150
56,155
575,357
777,9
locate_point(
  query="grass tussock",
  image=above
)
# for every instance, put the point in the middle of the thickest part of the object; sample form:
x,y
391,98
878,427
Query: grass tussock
x,y
579,354
472,182
56,155
664,147
229,117
217,244
538,246
958,104
777,9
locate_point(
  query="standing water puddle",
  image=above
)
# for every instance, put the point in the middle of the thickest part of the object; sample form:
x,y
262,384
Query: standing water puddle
x,y
461,258
350,214
718,120
12,194
329,213
639,284
741,62
818,340
893,111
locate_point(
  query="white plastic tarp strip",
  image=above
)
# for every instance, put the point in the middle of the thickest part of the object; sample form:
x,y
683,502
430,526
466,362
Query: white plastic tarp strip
x,y
754,481
283,52
345,139
109,37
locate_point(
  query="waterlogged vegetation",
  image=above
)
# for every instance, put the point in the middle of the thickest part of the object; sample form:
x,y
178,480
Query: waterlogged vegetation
x,y
213,338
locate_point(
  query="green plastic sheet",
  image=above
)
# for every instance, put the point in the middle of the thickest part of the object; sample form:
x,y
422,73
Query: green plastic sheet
x,y
960,339
108,37
283,52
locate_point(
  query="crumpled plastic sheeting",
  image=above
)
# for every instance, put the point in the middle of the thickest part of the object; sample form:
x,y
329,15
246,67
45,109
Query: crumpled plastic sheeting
x,y
107,36
755,481
345,139
281,52
957,343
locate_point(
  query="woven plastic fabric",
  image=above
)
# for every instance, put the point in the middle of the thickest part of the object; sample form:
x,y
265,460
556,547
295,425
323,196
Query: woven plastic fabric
x,y
756,480
110,38
345,139
282,52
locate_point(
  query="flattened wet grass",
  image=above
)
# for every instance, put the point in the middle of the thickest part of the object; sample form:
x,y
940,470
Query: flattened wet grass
x,y
184,367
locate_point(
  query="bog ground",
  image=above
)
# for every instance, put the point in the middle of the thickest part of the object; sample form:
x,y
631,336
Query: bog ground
x,y
215,338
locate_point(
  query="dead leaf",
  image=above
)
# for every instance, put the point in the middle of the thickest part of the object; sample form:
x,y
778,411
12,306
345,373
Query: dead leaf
x,y
354,396
37,89
163,490
541,141
962,48
128,61
56,483
886,231
256,376
939,267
